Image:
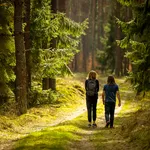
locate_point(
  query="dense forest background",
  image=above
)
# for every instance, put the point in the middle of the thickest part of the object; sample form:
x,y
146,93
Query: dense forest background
x,y
42,40
99,49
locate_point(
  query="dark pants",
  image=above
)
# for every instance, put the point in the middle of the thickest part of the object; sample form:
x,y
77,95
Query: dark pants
x,y
91,103
109,112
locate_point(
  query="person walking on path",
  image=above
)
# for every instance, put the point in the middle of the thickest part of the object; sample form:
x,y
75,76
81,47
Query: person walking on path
x,y
92,89
110,91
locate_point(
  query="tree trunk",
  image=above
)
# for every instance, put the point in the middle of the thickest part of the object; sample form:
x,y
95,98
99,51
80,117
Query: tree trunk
x,y
86,43
21,91
48,82
45,83
52,83
118,55
28,47
101,22
62,6
76,9
93,32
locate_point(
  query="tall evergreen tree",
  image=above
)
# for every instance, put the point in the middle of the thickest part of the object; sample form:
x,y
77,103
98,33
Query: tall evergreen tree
x,y
106,56
20,90
45,26
50,83
27,40
137,38
7,59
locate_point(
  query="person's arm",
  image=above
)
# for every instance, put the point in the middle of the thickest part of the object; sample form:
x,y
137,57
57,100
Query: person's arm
x,y
103,97
118,96
85,84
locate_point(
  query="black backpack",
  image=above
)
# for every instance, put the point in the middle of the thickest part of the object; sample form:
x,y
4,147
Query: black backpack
x,y
91,87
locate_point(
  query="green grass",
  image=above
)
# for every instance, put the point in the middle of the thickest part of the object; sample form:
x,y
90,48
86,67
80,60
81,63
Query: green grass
x,y
59,137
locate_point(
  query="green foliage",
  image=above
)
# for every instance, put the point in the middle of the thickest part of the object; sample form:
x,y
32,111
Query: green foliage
x,y
46,28
54,62
128,2
137,39
7,56
101,58
106,57
40,97
63,94
69,32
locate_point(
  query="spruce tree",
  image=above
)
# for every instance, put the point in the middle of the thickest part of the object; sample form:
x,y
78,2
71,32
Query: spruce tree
x,y
20,71
137,39
7,53
45,26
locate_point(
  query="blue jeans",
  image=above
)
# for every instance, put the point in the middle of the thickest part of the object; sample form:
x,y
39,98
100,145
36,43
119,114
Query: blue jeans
x,y
109,112
91,103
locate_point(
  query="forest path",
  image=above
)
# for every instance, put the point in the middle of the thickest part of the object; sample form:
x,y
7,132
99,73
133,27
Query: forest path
x,y
80,110
86,142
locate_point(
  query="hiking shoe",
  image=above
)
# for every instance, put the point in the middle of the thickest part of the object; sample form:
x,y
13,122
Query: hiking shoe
x,y
107,124
112,127
89,125
94,125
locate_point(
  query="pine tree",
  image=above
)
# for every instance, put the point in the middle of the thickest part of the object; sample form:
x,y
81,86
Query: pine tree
x,y
137,38
27,39
20,90
7,53
45,26
106,57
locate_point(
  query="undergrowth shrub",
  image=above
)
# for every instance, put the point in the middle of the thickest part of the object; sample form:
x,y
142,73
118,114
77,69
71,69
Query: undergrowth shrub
x,y
8,108
67,91
39,97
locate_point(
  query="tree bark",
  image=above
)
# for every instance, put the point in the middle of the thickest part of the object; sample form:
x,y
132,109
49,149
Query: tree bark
x,y
118,55
20,91
62,6
27,47
47,83
93,32
57,5
52,83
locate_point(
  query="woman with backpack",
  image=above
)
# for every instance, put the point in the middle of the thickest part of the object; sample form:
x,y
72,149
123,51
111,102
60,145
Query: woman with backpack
x,y
110,91
92,89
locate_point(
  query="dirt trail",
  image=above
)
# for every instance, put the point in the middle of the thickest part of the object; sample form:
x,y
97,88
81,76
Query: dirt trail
x,y
7,145
86,143
67,117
